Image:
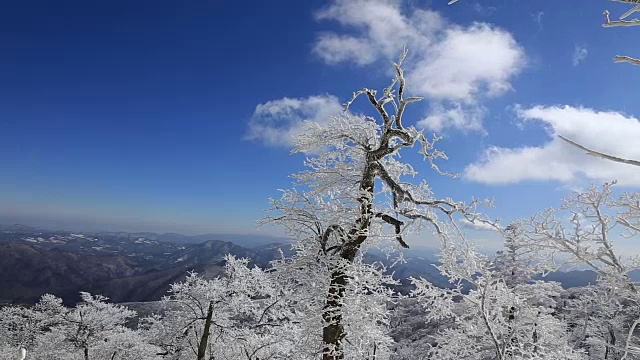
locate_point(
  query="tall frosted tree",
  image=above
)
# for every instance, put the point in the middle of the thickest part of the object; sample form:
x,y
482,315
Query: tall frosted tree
x,y
358,191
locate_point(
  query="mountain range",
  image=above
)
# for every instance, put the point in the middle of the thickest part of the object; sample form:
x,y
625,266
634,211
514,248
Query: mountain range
x,y
139,267
121,266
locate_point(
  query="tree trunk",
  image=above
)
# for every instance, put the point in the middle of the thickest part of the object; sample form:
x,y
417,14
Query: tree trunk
x,y
333,331
204,340
86,353
509,354
610,347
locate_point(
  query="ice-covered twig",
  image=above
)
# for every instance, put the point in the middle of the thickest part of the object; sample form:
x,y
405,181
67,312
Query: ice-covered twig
x,y
599,154
627,59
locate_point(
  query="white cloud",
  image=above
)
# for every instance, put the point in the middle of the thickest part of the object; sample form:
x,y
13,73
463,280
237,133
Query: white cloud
x,y
605,131
381,27
335,49
476,225
277,122
456,115
455,67
579,54
467,62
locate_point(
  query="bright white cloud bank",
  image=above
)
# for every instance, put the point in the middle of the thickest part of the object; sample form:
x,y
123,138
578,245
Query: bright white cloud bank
x,y
454,67
277,122
605,131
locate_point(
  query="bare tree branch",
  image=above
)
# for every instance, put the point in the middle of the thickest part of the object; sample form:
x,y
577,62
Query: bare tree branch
x,y
397,224
627,59
630,12
616,23
599,154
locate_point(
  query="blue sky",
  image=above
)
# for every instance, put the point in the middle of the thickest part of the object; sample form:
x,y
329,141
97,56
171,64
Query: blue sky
x,y
174,115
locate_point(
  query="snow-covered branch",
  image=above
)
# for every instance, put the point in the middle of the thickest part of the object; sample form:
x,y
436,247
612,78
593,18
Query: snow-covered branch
x,y
599,154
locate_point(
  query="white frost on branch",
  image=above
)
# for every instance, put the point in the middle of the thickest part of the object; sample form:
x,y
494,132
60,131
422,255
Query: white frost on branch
x,y
622,22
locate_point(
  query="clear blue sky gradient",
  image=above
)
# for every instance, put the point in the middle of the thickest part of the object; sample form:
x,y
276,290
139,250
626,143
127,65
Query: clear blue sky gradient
x,y
132,114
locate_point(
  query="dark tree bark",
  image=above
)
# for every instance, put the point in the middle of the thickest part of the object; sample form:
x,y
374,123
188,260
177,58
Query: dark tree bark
x,y
333,331
204,340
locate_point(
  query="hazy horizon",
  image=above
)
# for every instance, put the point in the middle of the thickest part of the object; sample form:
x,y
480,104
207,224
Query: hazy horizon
x,y
104,225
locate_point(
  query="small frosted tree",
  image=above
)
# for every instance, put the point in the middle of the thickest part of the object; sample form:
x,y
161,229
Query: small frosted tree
x,y
243,314
494,309
96,329
21,328
583,228
583,232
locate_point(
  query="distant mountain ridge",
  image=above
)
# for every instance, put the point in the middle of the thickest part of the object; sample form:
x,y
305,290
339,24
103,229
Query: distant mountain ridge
x,y
26,271
246,240
138,267
122,266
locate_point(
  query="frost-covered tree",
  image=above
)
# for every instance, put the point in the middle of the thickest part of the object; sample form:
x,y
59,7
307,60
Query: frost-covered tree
x,y
520,259
94,329
494,309
584,229
21,328
241,315
413,334
356,192
583,232
600,321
